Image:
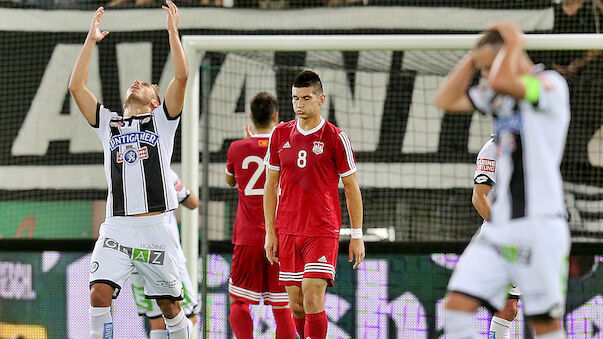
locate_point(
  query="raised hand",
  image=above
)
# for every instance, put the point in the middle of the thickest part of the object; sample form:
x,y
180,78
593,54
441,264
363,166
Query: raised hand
x,y
95,34
173,15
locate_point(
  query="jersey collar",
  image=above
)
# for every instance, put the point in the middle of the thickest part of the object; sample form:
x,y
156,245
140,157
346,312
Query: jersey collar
x,y
264,135
318,127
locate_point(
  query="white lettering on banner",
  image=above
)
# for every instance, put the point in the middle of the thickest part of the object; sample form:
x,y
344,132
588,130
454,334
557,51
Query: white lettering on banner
x,y
235,73
424,118
16,281
358,113
373,308
44,122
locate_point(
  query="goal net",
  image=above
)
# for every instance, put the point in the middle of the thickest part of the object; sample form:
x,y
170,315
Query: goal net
x,y
415,163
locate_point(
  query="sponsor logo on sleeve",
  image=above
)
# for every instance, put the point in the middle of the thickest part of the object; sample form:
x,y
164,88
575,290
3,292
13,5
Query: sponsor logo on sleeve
x,y
486,165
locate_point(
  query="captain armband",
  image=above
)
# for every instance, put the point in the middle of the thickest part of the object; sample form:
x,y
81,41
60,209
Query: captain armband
x,y
532,85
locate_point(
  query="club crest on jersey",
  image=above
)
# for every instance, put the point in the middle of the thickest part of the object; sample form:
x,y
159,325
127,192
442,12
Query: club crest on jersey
x,y
146,137
318,148
131,155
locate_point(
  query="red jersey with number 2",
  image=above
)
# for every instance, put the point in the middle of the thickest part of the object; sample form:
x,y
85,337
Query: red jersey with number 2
x,y
310,164
246,162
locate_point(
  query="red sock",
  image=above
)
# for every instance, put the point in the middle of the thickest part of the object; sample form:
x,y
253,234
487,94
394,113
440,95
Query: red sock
x,y
316,325
300,323
240,320
285,328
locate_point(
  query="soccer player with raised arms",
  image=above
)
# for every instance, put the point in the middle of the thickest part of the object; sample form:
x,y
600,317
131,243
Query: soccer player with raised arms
x,y
526,239
252,276
308,156
137,149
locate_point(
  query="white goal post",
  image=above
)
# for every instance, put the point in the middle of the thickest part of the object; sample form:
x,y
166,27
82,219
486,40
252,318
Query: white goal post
x,y
195,46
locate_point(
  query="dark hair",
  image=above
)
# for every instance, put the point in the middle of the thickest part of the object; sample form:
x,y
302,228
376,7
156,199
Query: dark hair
x,y
308,79
490,37
263,107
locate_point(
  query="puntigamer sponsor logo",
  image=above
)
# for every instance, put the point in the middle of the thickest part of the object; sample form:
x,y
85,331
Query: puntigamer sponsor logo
x,y
132,138
154,257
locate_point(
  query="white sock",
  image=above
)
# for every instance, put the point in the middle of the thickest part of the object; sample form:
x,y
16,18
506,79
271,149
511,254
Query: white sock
x,y
559,334
101,323
459,325
179,327
158,334
499,328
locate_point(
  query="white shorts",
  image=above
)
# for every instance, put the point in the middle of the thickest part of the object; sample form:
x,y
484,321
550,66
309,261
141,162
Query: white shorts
x,y
532,253
142,243
512,290
148,307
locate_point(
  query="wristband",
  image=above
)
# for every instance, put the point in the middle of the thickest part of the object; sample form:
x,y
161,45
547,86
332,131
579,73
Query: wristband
x,y
356,233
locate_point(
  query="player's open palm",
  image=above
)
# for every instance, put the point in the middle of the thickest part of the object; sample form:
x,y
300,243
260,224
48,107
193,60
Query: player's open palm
x,y
173,15
356,251
95,33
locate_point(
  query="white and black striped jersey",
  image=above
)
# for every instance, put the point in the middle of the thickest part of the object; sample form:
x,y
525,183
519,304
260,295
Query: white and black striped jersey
x,y
485,168
530,139
137,156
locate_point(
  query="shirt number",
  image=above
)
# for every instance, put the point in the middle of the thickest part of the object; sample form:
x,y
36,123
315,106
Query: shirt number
x,y
249,190
301,159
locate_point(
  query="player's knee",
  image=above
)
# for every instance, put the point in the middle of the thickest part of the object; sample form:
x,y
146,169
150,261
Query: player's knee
x,y
297,309
169,307
101,295
460,302
509,312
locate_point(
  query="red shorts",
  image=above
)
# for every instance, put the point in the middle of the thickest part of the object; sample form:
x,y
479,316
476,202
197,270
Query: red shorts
x,y
306,257
252,277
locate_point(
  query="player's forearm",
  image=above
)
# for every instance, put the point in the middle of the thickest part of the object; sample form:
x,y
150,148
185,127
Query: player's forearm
x,y
79,75
456,83
270,197
505,70
482,205
354,203
178,57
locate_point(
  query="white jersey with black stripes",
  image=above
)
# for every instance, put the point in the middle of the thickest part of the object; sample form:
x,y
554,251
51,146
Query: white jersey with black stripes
x,y
530,140
137,156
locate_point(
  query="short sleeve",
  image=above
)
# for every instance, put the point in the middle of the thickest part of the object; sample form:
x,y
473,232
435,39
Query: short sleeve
x,y
230,168
164,121
481,97
271,160
103,117
554,92
344,156
485,166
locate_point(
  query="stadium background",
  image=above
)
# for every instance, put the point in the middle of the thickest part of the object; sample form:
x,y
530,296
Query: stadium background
x,y
52,187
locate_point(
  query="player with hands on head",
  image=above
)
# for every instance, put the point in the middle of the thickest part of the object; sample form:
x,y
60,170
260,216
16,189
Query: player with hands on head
x,y
526,239
252,276
307,157
137,148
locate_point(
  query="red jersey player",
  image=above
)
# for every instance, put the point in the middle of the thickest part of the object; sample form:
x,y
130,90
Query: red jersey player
x,y
307,156
251,275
